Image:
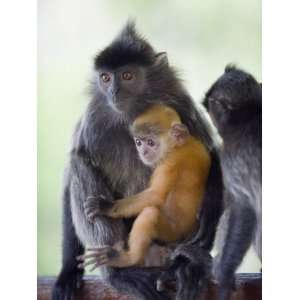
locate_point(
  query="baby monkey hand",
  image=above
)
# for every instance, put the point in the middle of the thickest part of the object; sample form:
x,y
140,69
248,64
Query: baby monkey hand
x,y
114,211
123,208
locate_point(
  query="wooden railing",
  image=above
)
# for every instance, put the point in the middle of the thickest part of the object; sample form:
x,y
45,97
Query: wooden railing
x,y
248,288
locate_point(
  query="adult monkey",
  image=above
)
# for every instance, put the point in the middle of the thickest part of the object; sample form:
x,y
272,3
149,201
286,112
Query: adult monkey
x,y
235,103
129,77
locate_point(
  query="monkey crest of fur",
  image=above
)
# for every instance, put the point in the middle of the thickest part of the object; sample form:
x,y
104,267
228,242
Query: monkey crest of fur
x,y
128,47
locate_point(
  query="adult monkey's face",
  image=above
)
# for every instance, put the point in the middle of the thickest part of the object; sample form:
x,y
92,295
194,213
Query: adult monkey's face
x,y
122,86
130,73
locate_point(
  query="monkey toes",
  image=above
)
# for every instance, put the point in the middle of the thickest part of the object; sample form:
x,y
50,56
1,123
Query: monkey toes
x,y
97,257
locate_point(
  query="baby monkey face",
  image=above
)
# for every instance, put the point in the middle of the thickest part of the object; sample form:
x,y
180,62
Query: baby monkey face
x,y
149,149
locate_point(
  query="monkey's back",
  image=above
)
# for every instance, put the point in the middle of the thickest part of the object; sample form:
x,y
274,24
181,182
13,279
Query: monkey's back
x,y
191,164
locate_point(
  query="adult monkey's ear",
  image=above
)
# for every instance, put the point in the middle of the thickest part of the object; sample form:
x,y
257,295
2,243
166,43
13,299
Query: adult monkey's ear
x,y
161,58
179,132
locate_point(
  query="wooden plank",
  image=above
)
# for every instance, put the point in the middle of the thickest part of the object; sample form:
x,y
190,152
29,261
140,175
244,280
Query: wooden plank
x,y
248,288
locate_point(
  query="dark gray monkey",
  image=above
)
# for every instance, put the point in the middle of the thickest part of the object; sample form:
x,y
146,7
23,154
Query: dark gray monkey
x,y
129,77
235,104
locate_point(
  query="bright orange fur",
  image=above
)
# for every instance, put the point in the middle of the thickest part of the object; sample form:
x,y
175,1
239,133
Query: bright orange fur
x,y
167,209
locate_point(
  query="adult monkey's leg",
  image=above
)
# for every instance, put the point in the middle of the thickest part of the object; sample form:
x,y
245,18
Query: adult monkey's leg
x,y
70,276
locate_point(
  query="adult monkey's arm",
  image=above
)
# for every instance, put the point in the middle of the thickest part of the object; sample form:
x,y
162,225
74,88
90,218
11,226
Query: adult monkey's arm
x,y
81,181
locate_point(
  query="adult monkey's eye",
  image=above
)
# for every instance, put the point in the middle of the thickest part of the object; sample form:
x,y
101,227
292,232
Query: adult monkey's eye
x,y
150,143
138,142
105,77
127,75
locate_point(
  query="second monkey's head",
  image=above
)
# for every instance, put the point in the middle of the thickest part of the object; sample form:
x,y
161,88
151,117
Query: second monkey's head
x,y
156,132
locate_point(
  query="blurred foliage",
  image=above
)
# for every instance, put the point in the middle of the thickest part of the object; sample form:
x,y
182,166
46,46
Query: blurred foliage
x,y
201,37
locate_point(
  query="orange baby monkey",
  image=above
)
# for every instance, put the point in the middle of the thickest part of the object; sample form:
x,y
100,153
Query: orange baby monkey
x,y
167,210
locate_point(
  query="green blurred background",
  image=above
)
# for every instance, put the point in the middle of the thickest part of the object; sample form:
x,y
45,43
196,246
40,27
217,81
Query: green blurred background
x,y
201,37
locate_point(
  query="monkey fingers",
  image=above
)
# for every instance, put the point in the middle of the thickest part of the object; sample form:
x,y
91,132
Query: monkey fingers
x,y
92,252
120,209
92,208
96,262
114,212
97,257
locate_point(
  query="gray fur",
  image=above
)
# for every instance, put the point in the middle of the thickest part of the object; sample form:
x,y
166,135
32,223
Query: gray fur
x,y
104,161
234,102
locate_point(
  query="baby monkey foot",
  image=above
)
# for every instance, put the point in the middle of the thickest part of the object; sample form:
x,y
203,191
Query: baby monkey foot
x,y
97,257
96,206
